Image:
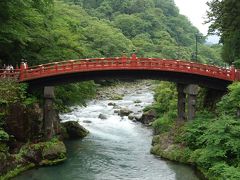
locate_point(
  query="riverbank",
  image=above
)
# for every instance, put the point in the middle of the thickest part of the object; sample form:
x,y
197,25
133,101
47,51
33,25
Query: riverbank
x,y
167,145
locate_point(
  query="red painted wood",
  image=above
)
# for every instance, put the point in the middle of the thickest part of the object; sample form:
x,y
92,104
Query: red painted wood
x,y
123,63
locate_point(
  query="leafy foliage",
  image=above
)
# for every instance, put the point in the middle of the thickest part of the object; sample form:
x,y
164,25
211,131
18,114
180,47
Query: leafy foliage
x,y
3,136
230,103
225,19
73,94
11,92
165,106
211,141
215,140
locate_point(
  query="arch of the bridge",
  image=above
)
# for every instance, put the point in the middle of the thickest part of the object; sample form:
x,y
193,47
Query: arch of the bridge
x,y
124,67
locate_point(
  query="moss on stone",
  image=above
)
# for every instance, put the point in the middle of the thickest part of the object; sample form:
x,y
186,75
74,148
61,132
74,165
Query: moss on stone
x,y
54,150
19,169
30,155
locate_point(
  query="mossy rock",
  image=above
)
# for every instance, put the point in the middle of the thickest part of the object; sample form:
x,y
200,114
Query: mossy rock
x,y
117,97
54,150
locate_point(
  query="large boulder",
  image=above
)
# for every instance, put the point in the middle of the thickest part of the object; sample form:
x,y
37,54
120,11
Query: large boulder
x,y
148,117
74,130
44,153
24,123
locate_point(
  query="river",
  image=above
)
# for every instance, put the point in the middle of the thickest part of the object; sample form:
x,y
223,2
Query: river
x,y
116,148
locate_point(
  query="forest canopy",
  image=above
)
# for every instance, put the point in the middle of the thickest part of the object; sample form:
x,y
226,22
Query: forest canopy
x,y
42,31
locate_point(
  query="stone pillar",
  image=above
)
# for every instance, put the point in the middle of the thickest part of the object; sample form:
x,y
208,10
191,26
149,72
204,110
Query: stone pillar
x,y
49,112
181,102
192,91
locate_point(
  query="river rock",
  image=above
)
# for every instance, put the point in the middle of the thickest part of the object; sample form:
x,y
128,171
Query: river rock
x,y
131,116
148,117
111,104
116,107
134,116
117,111
124,112
87,121
75,130
137,101
102,116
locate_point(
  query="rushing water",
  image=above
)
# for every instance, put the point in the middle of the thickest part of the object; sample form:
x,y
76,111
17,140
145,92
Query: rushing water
x,y
116,149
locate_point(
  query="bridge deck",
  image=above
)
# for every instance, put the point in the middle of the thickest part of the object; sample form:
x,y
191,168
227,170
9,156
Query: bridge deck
x,y
121,63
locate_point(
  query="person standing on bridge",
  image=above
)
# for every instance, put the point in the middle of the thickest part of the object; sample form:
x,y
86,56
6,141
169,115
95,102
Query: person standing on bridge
x,y
124,58
134,58
24,64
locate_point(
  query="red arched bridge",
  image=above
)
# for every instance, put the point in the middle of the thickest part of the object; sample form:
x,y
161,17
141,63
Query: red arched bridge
x,y
124,67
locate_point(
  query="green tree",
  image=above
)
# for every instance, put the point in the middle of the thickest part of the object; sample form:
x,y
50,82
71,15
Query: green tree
x,y
225,18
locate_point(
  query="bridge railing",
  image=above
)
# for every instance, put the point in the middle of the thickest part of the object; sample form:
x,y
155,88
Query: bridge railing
x,y
121,63
9,74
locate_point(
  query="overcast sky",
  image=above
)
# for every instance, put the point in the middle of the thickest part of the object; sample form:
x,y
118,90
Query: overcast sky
x,y
195,10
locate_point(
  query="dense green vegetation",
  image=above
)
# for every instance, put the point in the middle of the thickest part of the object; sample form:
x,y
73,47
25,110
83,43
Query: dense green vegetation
x,y
45,30
225,18
74,94
155,27
211,141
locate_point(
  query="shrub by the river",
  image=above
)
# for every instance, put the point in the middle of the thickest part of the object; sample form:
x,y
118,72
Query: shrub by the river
x,y
211,141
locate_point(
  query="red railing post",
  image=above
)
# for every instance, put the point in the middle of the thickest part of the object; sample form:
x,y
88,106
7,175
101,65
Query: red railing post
x,y
41,69
134,59
124,59
237,77
22,71
72,64
233,72
56,66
